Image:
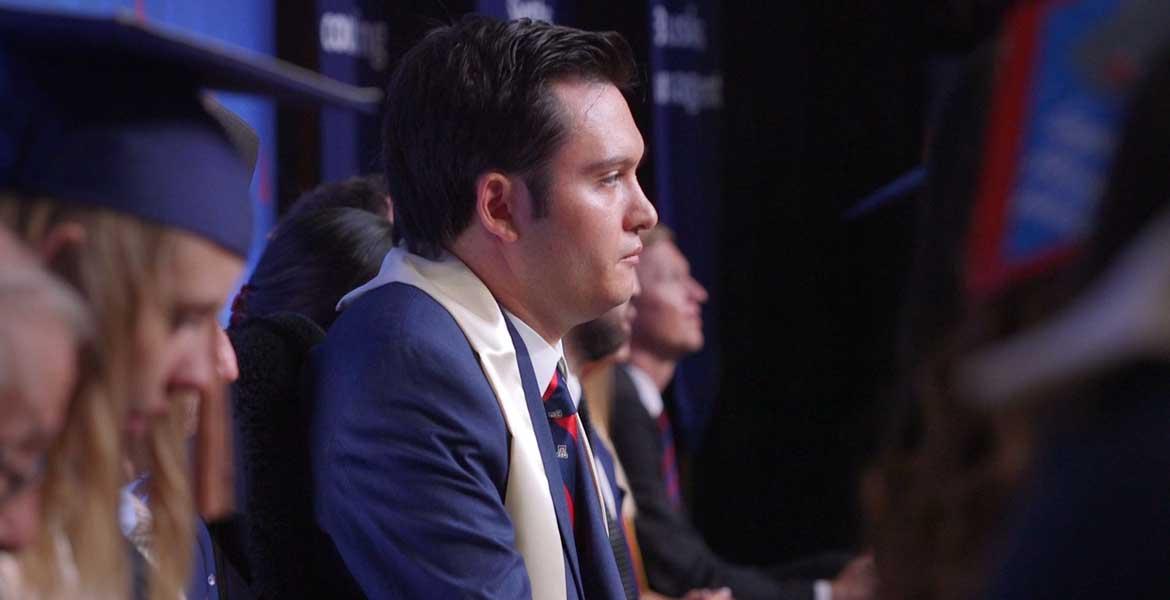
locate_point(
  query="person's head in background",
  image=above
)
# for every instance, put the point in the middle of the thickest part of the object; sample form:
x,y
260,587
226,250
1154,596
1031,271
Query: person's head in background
x,y
605,339
669,321
46,334
363,192
511,146
312,259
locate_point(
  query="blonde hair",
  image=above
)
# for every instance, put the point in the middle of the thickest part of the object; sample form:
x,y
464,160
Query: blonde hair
x,y
120,271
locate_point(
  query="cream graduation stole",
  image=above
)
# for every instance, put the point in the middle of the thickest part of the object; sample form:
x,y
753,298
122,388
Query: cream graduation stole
x,y
475,310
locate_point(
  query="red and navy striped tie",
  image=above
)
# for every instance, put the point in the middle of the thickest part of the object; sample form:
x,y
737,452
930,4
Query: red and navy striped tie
x,y
562,417
669,460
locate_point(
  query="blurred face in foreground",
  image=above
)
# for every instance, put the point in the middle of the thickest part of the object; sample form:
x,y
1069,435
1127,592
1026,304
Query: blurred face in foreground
x,y
184,354
38,373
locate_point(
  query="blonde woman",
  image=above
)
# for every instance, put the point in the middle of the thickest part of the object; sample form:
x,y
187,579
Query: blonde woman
x,y
126,186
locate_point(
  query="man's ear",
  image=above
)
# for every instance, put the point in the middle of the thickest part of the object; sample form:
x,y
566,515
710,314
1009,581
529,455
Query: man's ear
x,y
498,198
63,240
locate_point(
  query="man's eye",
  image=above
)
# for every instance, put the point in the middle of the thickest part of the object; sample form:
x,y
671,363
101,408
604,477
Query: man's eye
x,y
611,179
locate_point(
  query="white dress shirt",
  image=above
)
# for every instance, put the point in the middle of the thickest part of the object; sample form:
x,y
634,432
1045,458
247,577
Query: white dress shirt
x,y
544,356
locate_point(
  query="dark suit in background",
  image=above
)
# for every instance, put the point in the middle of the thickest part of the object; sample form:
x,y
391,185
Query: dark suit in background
x,y
675,556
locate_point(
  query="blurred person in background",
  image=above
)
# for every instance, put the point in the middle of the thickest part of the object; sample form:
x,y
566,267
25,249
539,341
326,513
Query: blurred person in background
x,y
592,350
363,192
317,253
320,251
667,327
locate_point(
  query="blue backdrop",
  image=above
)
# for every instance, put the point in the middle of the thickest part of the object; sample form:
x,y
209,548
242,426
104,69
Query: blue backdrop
x,y
686,87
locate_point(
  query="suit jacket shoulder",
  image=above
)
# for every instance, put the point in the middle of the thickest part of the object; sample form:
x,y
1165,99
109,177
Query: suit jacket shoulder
x,y
411,454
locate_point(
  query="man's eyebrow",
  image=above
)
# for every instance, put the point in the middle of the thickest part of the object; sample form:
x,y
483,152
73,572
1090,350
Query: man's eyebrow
x,y
615,162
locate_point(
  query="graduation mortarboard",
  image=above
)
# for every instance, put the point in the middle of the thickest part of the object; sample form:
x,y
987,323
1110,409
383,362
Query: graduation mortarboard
x,y
110,112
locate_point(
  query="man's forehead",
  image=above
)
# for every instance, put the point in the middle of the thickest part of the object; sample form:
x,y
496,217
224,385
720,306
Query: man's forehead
x,y
586,102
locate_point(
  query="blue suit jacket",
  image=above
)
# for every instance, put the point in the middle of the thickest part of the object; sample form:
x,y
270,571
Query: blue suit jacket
x,y
410,458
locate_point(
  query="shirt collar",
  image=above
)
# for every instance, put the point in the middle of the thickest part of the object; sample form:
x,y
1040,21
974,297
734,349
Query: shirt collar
x,y
544,356
647,392
574,386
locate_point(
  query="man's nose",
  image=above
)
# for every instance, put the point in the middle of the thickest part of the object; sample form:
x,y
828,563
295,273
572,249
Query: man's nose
x,y
642,214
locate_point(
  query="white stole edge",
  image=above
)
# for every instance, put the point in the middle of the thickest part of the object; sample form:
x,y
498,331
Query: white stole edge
x,y
527,498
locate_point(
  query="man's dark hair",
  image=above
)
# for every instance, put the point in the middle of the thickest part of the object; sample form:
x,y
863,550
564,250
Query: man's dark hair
x,y
475,96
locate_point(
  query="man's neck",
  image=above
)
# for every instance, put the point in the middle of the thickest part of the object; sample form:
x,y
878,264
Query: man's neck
x,y
660,370
506,288
549,333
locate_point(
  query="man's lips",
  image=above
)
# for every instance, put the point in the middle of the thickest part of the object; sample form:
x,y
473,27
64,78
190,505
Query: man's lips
x,y
634,255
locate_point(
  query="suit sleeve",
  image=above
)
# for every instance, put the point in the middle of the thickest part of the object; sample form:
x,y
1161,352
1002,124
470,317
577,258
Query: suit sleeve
x,y
411,465
676,557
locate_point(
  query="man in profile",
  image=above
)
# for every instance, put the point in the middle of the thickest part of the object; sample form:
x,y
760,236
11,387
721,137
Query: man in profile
x,y
448,458
667,327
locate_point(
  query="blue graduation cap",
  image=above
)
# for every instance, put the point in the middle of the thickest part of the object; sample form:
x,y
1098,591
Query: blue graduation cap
x,y
111,113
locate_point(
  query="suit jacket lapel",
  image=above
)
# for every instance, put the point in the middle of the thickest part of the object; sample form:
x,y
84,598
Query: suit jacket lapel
x,y
544,440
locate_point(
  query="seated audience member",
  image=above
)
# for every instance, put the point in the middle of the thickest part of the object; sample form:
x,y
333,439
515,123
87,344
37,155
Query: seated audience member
x,y
591,350
439,468
666,328
312,259
45,330
135,195
363,192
